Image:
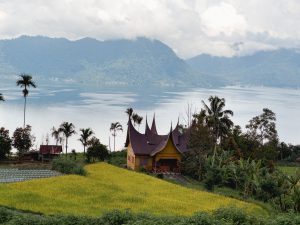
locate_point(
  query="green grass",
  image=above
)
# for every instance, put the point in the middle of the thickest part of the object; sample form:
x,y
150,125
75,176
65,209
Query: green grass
x,y
290,170
107,187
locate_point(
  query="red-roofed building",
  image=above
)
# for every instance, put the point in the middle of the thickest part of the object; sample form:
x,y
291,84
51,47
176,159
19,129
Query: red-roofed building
x,y
48,152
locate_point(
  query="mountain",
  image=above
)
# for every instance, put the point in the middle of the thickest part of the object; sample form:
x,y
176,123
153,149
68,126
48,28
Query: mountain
x,y
277,68
140,63
88,61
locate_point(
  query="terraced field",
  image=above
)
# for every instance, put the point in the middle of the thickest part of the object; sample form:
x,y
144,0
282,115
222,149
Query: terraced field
x,y
17,175
106,188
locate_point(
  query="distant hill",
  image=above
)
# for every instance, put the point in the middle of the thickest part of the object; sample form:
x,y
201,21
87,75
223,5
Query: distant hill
x,y
278,68
142,63
110,63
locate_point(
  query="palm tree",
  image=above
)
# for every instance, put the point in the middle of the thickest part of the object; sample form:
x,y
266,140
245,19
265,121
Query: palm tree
x,y
139,121
115,127
84,137
129,112
135,118
1,97
68,129
25,82
56,134
216,118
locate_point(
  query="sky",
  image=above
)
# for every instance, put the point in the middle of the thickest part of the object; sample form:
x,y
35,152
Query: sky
x,y
189,27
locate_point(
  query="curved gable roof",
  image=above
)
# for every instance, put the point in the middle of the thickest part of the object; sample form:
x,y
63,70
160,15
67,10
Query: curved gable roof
x,y
151,143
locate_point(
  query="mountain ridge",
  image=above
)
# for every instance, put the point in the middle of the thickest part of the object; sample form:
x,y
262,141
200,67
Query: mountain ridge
x,y
141,62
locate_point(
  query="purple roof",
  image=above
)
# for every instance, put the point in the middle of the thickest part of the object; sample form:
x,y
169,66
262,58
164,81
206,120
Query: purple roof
x,y
151,143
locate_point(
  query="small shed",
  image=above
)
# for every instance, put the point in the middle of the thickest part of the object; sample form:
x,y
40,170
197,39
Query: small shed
x,y
48,152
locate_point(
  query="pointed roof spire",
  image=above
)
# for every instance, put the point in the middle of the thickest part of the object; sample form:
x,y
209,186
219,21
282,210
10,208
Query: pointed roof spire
x,y
171,129
147,128
153,126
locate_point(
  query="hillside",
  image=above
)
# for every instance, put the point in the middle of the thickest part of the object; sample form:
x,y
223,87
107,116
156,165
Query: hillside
x,y
278,68
107,187
88,61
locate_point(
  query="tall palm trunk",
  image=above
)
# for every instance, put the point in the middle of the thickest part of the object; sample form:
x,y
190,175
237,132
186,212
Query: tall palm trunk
x,y
25,102
114,140
66,147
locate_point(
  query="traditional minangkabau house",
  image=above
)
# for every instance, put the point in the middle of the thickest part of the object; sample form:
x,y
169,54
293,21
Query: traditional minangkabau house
x,y
154,152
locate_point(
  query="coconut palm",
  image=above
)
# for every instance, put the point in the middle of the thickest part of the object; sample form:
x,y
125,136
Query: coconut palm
x,y
84,137
25,82
115,127
139,121
129,112
1,97
68,129
56,134
217,118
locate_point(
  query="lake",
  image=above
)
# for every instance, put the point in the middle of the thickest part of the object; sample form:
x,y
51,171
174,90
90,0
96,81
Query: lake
x,y
98,108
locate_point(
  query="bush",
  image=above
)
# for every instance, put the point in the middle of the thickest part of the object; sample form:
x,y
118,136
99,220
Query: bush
x,y
67,167
117,217
5,215
287,219
201,219
236,216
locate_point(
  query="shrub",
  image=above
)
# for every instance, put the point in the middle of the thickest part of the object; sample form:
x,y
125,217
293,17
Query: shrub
x,y
5,215
67,167
117,217
236,216
201,219
287,219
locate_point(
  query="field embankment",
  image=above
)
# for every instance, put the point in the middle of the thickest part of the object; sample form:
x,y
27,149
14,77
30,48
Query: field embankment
x,y
106,188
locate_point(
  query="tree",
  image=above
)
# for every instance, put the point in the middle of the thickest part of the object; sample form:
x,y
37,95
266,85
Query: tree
x,y
22,139
217,118
25,82
263,127
139,121
5,143
200,144
1,97
84,137
68,129
96,150
115,127
129,112
56,134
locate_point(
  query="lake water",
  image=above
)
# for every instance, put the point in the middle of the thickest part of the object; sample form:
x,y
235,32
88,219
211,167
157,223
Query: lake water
x,y
49,106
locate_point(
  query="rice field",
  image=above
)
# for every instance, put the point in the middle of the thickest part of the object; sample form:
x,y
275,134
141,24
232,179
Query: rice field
x,y
107,187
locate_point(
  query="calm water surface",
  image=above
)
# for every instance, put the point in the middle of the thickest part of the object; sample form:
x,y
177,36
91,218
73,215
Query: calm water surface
x,y
48,107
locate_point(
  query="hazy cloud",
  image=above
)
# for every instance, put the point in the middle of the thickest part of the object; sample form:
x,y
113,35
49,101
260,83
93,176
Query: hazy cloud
x,y
190,27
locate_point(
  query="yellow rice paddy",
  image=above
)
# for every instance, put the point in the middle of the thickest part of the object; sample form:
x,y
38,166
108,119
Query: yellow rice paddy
x,y
107,187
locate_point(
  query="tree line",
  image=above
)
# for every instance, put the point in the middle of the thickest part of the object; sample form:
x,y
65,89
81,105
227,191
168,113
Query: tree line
x,y
222,155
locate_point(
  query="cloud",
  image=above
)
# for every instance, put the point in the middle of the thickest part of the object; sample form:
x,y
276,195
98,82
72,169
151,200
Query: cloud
x,y
223,19
190,27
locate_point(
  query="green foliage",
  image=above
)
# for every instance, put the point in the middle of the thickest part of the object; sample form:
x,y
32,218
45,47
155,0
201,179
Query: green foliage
x,y
236,216
5,215
67,167
222,216
118,158
22,139
5,143
96,151
117,217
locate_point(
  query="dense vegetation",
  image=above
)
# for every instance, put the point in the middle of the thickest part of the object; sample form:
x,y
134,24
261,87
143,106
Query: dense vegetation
x,y
222,155
222,216
106,187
